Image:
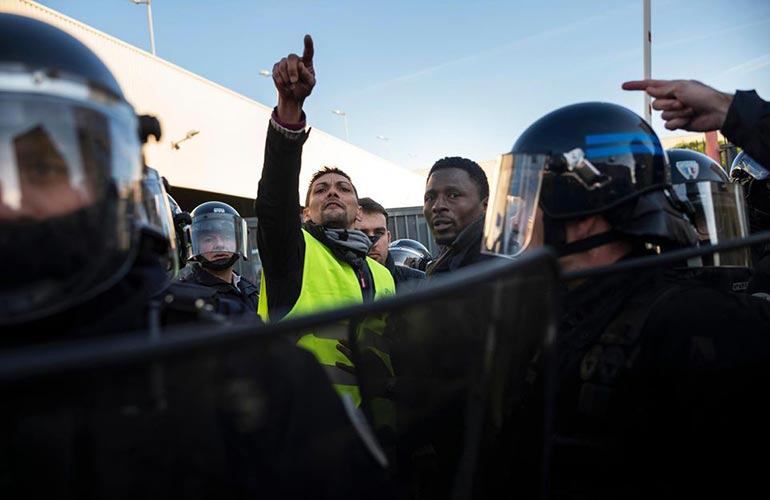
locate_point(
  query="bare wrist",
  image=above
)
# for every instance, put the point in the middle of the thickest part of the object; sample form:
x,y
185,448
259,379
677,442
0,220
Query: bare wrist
x,y
289,112
723,104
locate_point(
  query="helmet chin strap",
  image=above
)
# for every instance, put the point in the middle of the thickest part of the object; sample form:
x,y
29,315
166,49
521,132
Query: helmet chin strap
x,y
556,237
218,264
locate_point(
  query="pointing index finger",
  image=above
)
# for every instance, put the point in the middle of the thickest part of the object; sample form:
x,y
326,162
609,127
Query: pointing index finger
x,y
307,54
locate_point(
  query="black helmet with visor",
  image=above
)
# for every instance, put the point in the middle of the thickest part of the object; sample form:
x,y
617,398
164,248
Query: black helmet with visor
x,y
160,214
71,172
719,212
755,179
581,160
219,235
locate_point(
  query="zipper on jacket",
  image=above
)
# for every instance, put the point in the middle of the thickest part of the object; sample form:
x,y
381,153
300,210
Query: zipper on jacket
x,y
361,279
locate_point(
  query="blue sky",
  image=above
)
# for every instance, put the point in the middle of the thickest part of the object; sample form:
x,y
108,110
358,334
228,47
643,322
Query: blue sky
x,y
447,78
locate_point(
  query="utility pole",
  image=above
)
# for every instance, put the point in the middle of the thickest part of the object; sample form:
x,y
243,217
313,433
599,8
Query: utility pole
x,y
647,59
149,21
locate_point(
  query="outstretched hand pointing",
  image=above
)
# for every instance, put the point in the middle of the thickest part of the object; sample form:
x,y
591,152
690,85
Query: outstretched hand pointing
x,y
686,104
294,77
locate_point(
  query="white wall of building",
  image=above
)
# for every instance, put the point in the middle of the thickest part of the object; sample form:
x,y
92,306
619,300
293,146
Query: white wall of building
x,y
226,155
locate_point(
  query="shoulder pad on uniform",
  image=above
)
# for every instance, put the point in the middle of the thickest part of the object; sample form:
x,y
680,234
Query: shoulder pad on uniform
x,y
188,296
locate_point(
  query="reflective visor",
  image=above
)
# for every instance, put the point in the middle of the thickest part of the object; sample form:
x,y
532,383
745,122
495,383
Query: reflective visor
x,y
512,209
48,170
70,189
217,236
720,216
159,214
752,168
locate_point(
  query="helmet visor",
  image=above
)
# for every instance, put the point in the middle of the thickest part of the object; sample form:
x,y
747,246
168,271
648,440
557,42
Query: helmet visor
x,y
720,216
218,236
512,210
748,168
159,215
47,169
70,187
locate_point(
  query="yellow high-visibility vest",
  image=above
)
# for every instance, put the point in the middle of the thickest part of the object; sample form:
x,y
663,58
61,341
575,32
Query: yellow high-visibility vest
x,y
328,283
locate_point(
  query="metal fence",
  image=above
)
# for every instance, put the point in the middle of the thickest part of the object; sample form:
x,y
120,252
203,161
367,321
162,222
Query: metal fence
x,y
409,222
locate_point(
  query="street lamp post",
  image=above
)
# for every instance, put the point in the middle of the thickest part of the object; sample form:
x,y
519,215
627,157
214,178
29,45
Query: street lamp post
x,y
345,119
149,21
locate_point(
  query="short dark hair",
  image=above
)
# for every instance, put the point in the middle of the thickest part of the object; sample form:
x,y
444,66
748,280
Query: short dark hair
x,y
474,170
370,206
320,173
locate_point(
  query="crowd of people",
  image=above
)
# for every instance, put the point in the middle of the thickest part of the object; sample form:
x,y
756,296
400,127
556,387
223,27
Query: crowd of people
x,y
661,364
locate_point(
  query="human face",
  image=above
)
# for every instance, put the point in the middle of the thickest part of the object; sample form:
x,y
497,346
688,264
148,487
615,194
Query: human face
x,y
374,224
333,202
452,202
38,181
216,245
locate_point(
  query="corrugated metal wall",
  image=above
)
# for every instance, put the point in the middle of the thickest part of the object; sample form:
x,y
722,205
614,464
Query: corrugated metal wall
x,y
409,222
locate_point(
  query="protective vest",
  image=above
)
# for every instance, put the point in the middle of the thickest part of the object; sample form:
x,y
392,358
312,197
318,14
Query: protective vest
x,y
328,283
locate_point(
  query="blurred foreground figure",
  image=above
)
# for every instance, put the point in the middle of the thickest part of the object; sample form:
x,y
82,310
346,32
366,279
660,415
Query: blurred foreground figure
x,y
656,380
718,212
755,181
82,255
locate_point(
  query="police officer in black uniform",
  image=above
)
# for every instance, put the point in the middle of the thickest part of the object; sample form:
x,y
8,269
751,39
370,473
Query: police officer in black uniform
x,y
655,384
218,238
81,256
718,214
755,181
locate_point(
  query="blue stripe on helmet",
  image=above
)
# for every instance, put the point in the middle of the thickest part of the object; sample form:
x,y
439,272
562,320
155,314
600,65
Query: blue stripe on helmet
x,y
624,137
624,149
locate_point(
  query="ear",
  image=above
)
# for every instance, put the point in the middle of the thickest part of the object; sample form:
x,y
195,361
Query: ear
x,y
359,214
485,202
305,215
388,234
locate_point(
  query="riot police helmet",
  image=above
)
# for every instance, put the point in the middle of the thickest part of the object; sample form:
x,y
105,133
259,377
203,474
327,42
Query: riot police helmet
x,y
410,253
585,159
421,250
160,212
755,179
71,170
719,211
218,234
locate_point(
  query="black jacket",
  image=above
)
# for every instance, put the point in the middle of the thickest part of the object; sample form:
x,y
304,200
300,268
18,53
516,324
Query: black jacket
x,y
144,298
748,125
254,419
242,298
657,384
279,235
463,251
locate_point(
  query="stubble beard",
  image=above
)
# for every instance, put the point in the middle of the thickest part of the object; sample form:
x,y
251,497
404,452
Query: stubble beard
x,y
335,221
